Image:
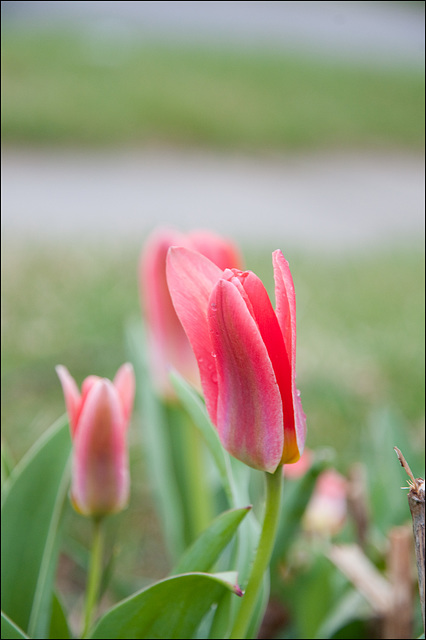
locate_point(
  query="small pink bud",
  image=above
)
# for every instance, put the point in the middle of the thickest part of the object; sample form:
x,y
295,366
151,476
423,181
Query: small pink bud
x,y
99,418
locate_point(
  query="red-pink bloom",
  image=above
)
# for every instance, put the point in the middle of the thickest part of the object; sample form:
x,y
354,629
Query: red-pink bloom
x,y
98,419
246,353
169,346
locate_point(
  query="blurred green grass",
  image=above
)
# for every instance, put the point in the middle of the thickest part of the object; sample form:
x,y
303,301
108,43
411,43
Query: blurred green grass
x,y
82,88
360,333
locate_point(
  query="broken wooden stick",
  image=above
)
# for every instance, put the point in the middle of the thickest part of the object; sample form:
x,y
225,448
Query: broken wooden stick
x,y
416,502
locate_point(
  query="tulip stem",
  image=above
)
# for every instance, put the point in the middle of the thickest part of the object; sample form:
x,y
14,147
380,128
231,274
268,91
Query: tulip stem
x,y
263,554
94,576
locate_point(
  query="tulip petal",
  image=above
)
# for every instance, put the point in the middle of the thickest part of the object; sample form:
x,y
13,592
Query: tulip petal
x,y
73,401
124,383
191,277
100,475
270,330
88,383
285,303
286,314
249,412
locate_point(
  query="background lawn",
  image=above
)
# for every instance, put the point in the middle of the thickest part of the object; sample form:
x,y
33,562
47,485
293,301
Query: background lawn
x,y
62,87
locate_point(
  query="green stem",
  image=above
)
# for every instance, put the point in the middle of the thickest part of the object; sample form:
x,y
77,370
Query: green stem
x,y
94,577
263,555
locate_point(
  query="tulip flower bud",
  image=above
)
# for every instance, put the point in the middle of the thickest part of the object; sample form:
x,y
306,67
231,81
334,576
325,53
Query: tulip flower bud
x,y
168,344
246,354
99,418
326,511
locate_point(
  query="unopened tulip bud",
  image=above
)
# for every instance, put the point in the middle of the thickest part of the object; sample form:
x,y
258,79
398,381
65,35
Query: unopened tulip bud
x,y
99,418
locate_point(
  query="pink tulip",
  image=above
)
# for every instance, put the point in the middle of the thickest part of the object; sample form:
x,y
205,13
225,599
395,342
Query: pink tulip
x,y
246,354
99,418
169,346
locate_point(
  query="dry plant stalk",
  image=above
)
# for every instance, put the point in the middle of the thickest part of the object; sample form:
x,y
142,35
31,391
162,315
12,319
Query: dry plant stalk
x,y
390,598
398,621
366,578
416,502
357,498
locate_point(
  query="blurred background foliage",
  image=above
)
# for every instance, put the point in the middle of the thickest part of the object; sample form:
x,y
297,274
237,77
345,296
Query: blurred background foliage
x,y
84,88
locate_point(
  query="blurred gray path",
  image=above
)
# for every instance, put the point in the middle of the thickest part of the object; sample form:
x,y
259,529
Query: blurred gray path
x,y
331,201
373,32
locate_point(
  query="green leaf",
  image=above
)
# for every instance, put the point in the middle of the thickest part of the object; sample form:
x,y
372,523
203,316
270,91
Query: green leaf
x,y
172,608
9,630
6,463
196,409
193,471
156,444
34,496
58,621
204,552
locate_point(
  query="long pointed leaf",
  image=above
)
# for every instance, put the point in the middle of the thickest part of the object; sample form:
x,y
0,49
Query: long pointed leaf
x,y
172,608
34,496
9,630
204,552
156,444
58,621
6,463
196,409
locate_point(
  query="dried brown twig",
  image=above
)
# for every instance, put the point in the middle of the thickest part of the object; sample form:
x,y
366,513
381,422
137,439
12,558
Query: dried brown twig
x,y
416,502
